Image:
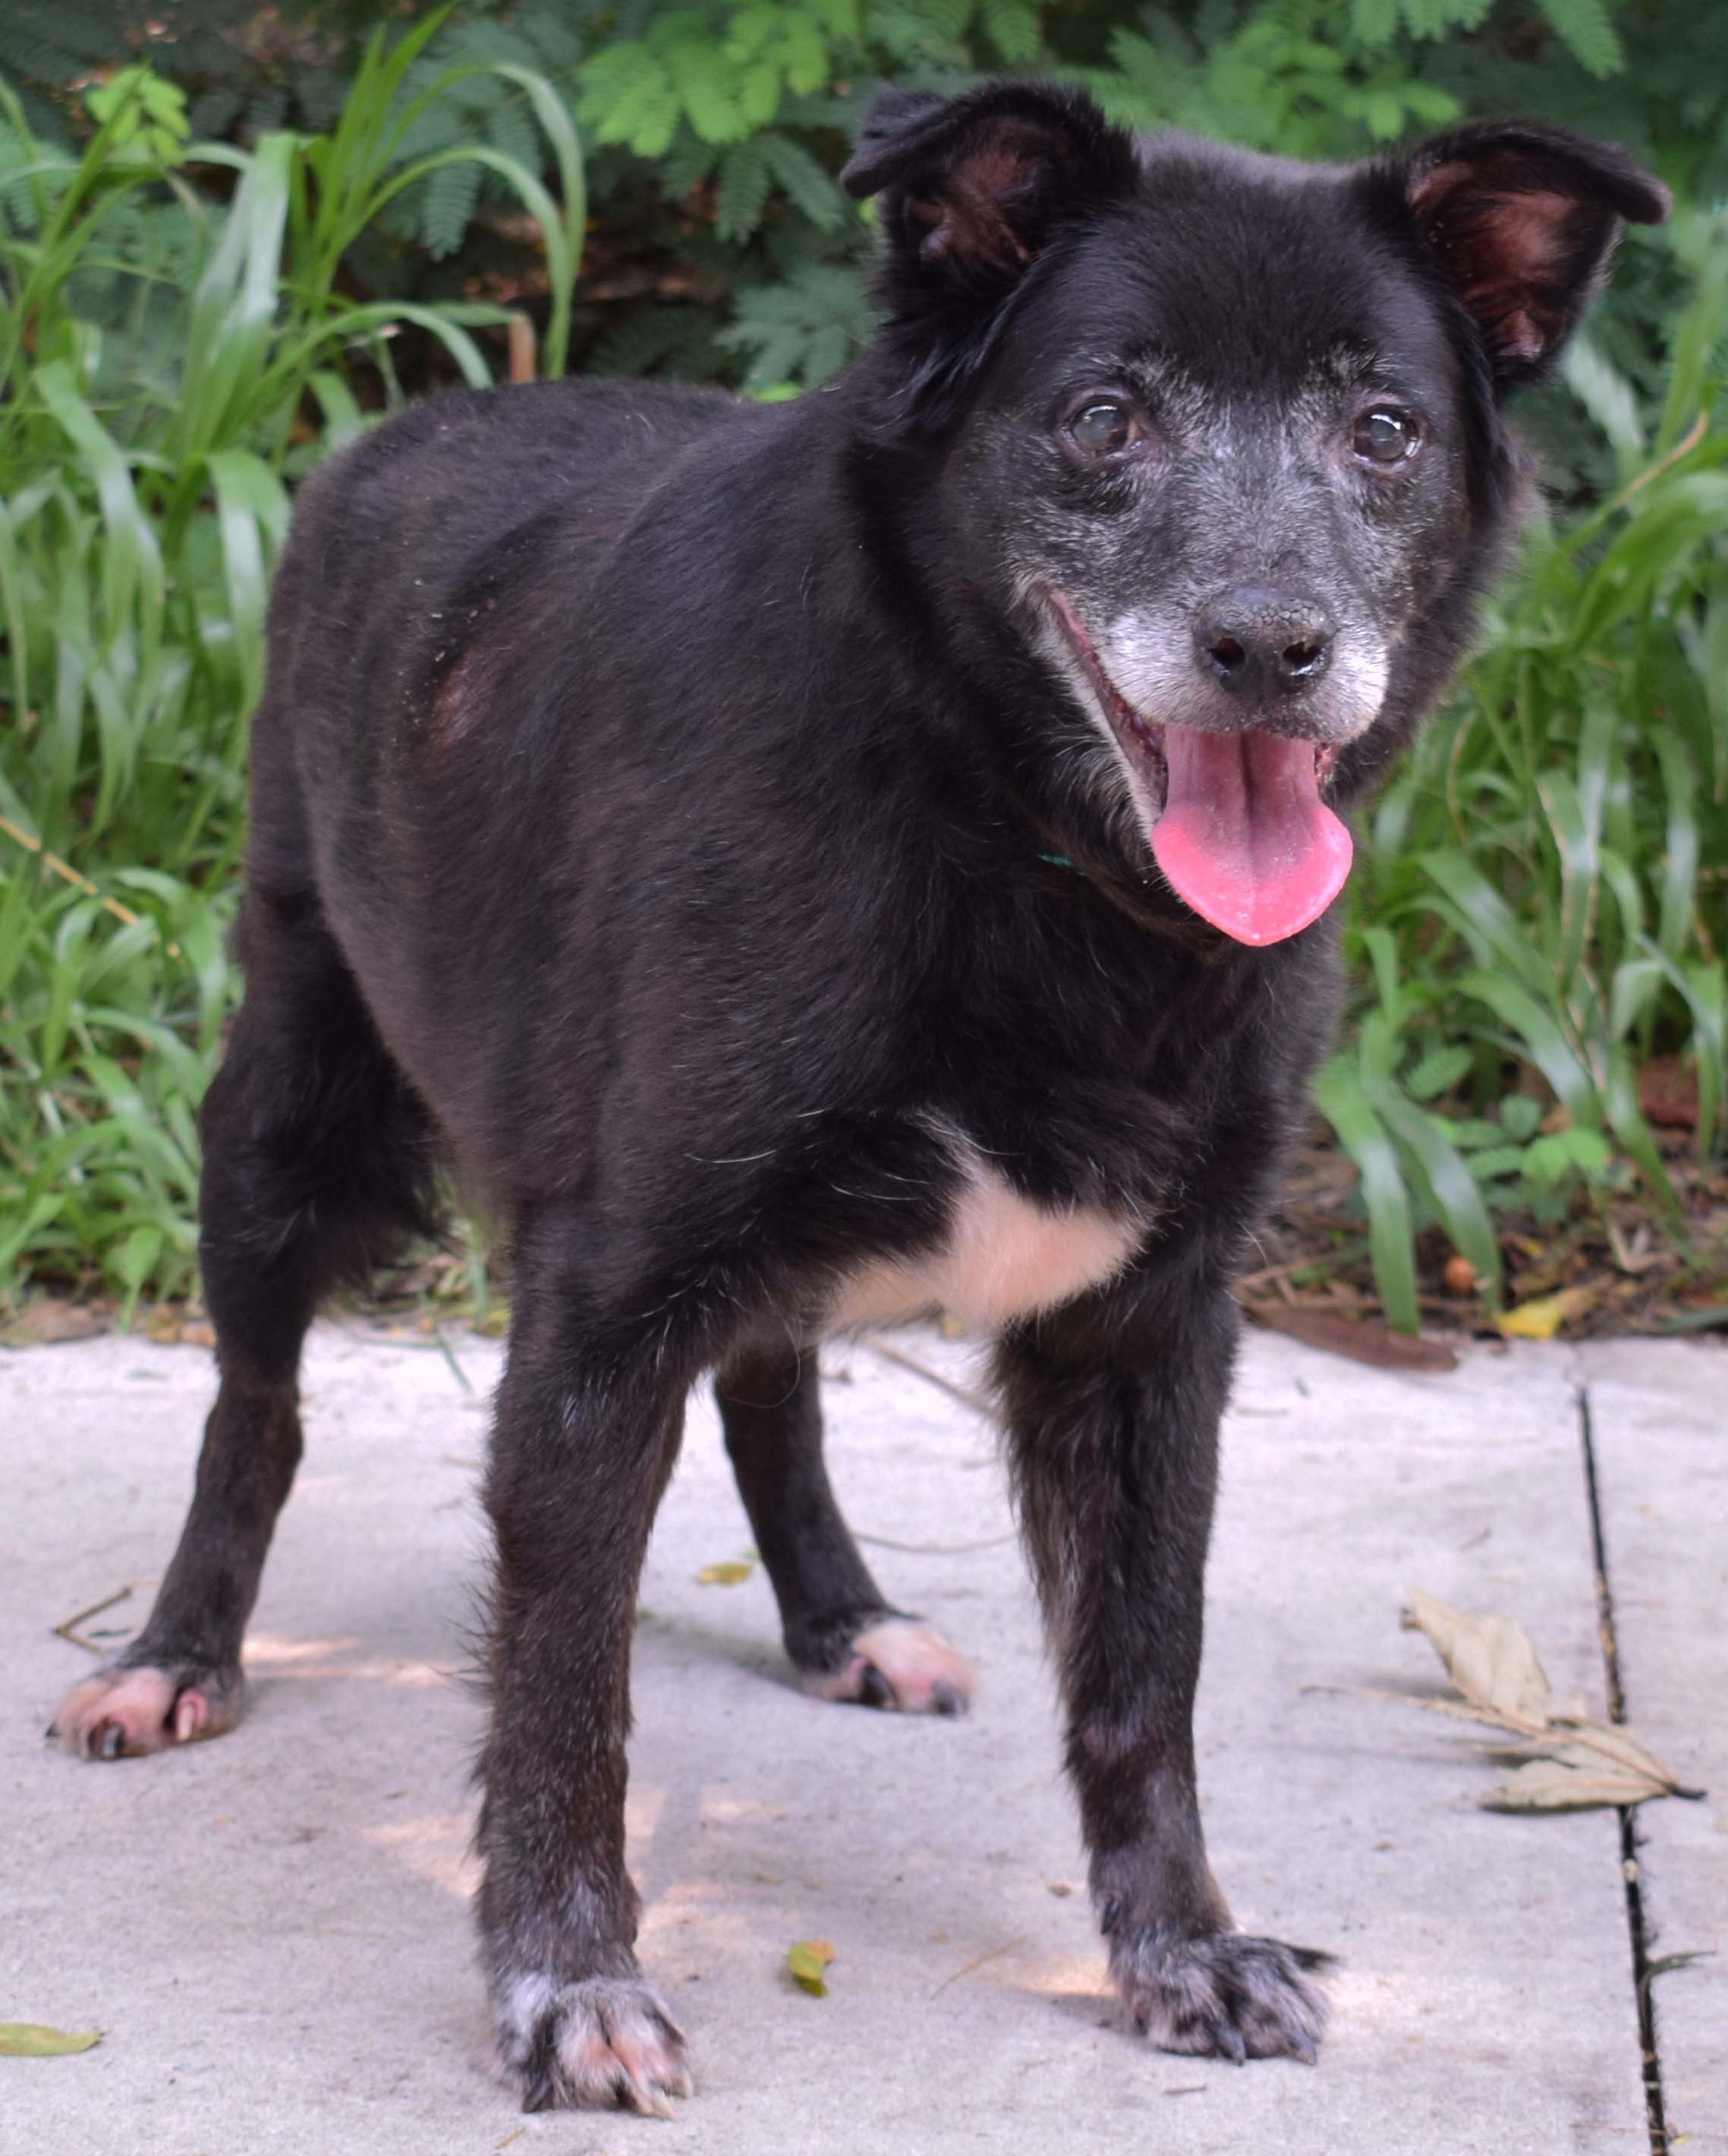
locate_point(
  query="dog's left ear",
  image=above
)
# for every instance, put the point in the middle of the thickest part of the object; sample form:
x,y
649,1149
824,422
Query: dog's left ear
x,y
973,186
1523,218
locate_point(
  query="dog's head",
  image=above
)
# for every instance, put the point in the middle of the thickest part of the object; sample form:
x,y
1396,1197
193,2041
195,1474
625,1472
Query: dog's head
x,y
1219,436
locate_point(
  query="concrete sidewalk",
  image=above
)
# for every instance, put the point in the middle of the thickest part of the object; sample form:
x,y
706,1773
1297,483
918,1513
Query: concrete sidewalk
x,y
272,1932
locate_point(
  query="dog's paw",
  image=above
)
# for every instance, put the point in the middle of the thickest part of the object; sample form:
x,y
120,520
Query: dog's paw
x,y
605,2043
122,1713
1223,1993
903,1666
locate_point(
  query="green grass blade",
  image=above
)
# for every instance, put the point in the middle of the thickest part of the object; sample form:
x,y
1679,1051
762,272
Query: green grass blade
x,y
1457,1194
1339,1095
1486,920
1539,1037
1627,1122
1680,867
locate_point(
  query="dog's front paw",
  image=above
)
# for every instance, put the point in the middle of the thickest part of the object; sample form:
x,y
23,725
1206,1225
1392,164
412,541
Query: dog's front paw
x,y
121,1713
1223,1993
605,2043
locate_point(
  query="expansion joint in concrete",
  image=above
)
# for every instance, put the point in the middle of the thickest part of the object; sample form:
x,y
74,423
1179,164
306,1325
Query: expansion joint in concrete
x,y
1644,1971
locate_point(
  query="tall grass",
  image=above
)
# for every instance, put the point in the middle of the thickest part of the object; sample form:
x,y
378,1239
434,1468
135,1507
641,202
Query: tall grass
x,y
1542,902
166,365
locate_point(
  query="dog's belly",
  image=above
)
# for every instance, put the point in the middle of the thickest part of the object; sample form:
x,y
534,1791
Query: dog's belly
x,y
1004,1258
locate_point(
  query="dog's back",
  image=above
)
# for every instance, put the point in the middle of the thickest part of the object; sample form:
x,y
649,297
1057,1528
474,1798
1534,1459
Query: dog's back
x,y
563,640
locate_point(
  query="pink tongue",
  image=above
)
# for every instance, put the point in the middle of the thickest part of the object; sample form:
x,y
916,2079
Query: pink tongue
x,y
1245,839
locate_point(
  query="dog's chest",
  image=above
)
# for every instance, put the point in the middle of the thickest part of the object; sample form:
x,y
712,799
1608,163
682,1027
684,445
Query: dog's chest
x,y
1003,1257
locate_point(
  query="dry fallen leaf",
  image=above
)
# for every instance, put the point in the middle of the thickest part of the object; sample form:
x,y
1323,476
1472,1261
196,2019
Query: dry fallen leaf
x,y
1542,1318
808,1959
1490,1661
1572,1779
1362,1339
52,1318
730,1573
30,2040
1567,1763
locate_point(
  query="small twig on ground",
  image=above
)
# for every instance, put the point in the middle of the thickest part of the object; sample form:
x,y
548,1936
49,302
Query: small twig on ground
x,y
68,874
978,1961
932,1549
450,1355
69,1630
975,1401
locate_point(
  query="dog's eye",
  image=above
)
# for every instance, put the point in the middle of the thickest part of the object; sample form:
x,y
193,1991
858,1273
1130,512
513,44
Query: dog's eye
x,y
1102,427
1384,436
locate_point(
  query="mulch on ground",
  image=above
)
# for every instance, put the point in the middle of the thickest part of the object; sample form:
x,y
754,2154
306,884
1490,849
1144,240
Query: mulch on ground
x,y
1611,1263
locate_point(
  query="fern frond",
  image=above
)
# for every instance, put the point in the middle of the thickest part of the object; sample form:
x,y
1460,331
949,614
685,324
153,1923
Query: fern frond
x,y
1012,27
802,329
1583,26
745,179
656,340
803,182
447,207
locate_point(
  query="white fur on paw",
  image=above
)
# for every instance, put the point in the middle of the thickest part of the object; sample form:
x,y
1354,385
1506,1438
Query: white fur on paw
x,y
902,1665
605,2043
1224,1994
120,1714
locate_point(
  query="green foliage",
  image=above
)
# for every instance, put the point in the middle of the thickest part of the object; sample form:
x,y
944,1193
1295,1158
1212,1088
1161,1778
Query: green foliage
x,y
801,330
1543,899
719,125
142,501
1540,904
1290,79
723,74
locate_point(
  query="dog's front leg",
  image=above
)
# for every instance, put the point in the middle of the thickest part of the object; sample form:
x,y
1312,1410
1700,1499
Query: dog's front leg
x,y
1113,1410
583,1444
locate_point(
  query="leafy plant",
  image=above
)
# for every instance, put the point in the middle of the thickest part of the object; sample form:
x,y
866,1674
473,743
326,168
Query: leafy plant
x,y
1544,893
142,501
186,322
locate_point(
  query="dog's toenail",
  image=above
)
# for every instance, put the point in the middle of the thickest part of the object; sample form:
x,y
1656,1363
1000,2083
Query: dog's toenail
x,y
944,1699
110,1741
874,1689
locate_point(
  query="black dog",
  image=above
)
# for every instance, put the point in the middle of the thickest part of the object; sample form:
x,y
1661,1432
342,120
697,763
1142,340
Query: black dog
x,y
812,864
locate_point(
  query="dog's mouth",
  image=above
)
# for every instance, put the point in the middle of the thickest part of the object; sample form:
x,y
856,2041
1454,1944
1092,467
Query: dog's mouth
x,y
1234,820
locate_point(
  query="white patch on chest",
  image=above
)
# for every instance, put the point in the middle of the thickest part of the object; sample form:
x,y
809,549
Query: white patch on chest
x,y
1004,1257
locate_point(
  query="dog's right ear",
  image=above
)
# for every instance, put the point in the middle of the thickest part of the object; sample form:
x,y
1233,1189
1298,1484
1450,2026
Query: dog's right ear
x,y
971,189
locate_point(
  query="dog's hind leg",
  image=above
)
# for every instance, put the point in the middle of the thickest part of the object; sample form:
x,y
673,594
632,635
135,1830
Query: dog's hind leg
x,y
844,1638
315,1160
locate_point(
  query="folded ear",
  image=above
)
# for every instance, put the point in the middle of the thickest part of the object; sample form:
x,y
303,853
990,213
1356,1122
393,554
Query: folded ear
x,y
973,186
1523,218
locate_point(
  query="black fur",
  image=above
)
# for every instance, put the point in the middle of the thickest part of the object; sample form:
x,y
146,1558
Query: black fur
x,y
655,798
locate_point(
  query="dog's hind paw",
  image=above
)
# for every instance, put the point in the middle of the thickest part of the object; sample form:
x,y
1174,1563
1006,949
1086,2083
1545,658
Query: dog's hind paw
x,y
1223,1993
122,1713
605,2043
900,1664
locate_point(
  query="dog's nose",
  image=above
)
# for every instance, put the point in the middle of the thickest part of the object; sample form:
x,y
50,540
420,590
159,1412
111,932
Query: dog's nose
x,y
1260,644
